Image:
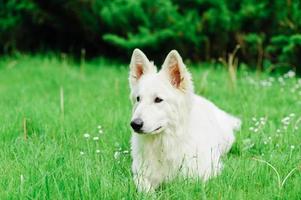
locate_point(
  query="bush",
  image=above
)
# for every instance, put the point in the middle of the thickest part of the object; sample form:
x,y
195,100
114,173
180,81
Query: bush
x,y
201,29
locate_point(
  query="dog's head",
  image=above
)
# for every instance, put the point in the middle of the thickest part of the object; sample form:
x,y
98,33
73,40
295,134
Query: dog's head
x,y
158,97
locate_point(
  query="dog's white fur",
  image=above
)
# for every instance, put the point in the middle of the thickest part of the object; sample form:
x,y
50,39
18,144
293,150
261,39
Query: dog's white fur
x,y
194,133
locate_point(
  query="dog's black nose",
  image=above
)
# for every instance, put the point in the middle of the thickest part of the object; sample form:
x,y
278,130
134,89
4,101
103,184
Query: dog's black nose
x,y
137,124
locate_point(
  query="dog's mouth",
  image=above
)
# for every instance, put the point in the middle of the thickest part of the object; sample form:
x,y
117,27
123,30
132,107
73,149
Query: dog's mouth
x,y
156,130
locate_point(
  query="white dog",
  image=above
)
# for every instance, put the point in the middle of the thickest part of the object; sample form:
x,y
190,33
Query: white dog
x,y
175,132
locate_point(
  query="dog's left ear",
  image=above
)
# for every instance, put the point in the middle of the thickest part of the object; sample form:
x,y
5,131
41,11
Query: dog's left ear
x,y
176,71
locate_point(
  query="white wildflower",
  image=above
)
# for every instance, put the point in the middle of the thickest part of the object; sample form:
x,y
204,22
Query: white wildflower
x,y
292,146
21,178
100,131
97,151
116,155
99,126
281,80
81,153
125,151
290,74
286,120
86,135
96,138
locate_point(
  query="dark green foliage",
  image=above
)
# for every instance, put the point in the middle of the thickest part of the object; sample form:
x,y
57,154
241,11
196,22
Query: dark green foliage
x,y
201,29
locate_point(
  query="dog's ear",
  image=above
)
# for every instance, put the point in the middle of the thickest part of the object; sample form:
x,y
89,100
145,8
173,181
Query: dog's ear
x,y
139,66
176,71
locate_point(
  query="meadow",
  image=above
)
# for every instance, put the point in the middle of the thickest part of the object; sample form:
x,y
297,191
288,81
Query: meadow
x,y
65,132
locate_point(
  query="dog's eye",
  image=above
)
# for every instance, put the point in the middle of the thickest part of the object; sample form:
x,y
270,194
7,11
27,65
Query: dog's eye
x,y
158,100
138,98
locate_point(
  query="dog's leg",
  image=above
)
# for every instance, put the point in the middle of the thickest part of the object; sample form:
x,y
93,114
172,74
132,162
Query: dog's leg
x,y
141,177
143,184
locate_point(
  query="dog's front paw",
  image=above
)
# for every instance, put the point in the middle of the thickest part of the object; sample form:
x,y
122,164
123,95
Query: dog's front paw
x,y
143,185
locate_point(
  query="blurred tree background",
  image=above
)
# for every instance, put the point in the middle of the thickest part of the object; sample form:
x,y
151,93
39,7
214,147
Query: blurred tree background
x,y
268,32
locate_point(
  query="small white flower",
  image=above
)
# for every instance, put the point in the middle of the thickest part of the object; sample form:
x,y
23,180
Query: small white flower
x,y
292,146
86,135
285,119
280,79
96,138
251,128
256,130
278,130
292,115
81,153
270,138
254,119
22,178
99,126
265,142
290,74
125,151
116,155
100,131
97,151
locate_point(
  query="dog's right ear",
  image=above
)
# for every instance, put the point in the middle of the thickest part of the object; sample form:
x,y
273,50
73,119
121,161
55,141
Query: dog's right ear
x,y
139,66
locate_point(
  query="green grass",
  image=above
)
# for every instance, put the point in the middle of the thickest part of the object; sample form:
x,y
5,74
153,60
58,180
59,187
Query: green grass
x,y
45,162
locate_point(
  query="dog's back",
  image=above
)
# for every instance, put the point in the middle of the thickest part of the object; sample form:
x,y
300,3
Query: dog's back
x,y
212,127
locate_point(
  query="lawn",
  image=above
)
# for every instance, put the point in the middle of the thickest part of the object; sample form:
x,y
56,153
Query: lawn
x,y
65,132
